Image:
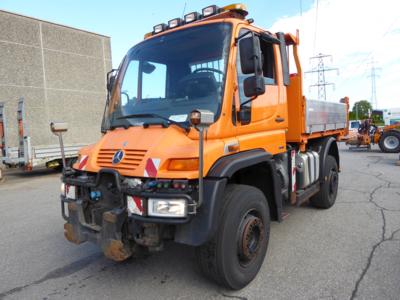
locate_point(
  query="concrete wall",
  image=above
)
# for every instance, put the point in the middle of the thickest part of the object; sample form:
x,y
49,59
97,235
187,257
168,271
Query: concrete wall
x,y
60,71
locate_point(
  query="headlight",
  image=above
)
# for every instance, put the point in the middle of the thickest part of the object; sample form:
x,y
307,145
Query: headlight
x,y
168,208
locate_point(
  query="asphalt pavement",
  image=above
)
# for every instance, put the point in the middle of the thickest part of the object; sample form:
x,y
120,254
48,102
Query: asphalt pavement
x,y
349,251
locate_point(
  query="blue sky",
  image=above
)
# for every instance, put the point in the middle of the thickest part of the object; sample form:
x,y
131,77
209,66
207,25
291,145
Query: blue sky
x,y
127,21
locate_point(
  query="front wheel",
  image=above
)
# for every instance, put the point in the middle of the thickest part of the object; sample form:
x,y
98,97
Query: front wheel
x,y
390,142
235,254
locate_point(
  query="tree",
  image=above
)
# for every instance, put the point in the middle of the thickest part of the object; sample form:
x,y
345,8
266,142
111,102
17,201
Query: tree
x,y
361,109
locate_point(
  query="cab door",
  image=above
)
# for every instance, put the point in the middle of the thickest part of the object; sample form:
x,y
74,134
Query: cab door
x,y
261,120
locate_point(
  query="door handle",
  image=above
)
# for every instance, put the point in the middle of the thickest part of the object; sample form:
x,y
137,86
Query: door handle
x,y
279,120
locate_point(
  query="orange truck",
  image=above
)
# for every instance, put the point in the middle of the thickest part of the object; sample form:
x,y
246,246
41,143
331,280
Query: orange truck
x,y
206,136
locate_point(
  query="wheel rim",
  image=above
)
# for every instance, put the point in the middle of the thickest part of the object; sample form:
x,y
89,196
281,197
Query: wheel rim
x,y
391,142
251,236
333,183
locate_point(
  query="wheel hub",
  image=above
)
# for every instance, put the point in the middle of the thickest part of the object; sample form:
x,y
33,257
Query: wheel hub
x,y
250,237
391,142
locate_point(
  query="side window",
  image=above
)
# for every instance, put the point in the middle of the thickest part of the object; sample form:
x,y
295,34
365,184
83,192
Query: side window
x,y
267,50
154,83
129,85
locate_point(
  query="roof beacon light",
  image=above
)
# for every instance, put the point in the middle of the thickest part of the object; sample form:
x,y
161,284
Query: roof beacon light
x,y
239,8
175,23
159,28
210,10
193,16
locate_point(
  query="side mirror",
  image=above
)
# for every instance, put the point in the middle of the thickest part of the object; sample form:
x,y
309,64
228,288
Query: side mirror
x,y
254,86
250,55
148,68
251,63
111,76
110,83
57,127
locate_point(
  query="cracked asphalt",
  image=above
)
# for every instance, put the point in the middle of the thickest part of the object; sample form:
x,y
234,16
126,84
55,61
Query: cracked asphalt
x,y
351,251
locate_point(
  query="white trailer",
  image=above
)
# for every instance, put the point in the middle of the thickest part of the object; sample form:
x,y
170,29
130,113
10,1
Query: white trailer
x,y
28,156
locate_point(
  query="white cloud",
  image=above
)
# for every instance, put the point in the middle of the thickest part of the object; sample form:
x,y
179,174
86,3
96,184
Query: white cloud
x,y
354,32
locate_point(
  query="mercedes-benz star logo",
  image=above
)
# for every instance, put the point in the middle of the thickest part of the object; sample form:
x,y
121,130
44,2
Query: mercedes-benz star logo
x,y
118,156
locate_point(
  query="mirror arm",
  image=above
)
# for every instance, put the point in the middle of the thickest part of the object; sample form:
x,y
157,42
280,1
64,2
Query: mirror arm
x,y
263,35
241,36
269,39
247,101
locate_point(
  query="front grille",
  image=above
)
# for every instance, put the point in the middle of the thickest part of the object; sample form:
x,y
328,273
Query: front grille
x,y
131,160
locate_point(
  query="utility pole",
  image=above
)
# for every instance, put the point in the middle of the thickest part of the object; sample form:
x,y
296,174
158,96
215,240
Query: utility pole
x,y
373,75
321,70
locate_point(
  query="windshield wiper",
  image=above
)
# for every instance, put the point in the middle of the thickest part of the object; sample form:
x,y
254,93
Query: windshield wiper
x,y
181,125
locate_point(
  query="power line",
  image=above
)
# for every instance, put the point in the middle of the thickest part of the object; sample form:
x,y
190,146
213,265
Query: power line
x,y
184,9
373,75
321,70
377,42
301,7
316,26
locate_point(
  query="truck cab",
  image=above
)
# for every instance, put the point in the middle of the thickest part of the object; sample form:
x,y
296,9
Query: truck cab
x,y
206,137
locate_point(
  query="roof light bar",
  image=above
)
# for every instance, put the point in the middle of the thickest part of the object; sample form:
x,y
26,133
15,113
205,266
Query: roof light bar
x,y
159,28
191,17
175,22
210,10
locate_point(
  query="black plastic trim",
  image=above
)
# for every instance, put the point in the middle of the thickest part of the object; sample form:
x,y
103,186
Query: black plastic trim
x,y
204,225
322,146
284,58
229,165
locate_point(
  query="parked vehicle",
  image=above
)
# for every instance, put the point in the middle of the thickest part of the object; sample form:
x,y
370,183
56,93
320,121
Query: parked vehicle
x,y
387,137
30,154
354,125
206,136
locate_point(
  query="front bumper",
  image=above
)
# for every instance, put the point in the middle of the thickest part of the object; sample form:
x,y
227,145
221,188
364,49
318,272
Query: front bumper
x,y
116,230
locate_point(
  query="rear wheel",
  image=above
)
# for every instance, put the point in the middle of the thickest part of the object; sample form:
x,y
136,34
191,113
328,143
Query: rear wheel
x,y
390,142
326,197
235,254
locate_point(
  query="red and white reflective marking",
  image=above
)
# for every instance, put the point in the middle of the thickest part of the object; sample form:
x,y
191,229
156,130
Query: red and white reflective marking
x,y
152,166
293,158
70,191
135,205
83,162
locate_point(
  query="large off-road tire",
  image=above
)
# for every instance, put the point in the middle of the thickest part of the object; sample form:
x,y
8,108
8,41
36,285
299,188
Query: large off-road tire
x,y
235,254
390,142
326,197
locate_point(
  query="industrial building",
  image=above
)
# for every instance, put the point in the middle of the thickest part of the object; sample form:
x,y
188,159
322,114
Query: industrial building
x,y
58,70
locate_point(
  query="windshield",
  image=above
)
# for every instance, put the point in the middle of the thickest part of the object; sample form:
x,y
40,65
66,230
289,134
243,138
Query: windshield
x,y
171,75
